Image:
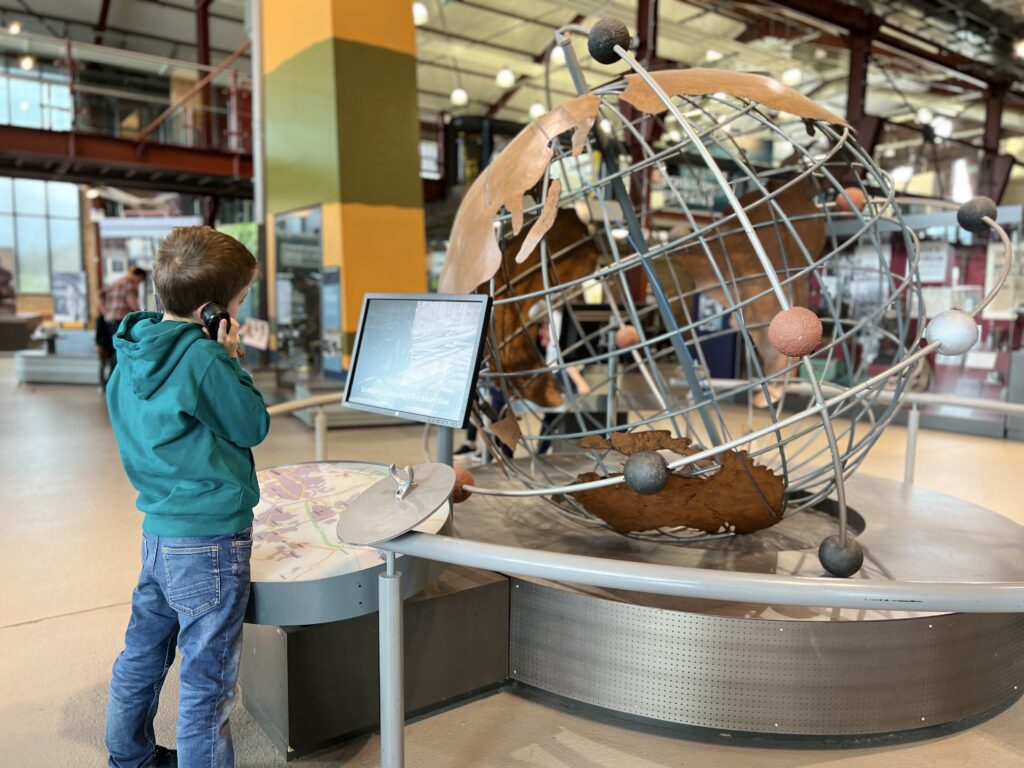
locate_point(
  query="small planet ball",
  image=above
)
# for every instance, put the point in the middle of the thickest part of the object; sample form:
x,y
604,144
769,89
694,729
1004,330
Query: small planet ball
x,y
646,472
856,197
603,38
463,477
795,332
627,336
971,213
954,329
841,561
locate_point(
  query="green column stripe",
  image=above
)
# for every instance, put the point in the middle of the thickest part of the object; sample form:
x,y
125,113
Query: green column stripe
x,y
301,130
378,120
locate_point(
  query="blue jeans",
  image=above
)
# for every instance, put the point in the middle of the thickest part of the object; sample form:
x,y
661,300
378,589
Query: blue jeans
x,y
191,594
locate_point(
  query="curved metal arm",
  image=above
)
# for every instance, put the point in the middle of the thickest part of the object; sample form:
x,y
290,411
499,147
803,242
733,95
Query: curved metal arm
x,y
978,597
307,402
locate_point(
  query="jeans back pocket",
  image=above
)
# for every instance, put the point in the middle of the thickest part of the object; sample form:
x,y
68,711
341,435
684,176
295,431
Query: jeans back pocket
x,y
193,578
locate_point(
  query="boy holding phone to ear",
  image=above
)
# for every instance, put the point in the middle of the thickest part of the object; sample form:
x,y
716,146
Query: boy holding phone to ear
x,y
186,416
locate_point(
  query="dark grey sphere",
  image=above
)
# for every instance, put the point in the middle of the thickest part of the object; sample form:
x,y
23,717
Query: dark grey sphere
x,y
603,38
970,214
841,561
646,472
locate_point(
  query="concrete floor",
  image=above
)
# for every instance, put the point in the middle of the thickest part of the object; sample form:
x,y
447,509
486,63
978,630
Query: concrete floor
x,y
69,543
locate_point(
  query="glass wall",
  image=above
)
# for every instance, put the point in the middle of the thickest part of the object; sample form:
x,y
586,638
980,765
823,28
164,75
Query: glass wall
x,y
35,98
40,228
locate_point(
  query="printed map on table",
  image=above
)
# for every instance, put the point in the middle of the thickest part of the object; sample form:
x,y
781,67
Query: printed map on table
x,y
294,536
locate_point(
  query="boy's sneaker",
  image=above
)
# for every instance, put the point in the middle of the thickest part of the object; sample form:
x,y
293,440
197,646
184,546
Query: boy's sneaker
x,y
163,758
465,448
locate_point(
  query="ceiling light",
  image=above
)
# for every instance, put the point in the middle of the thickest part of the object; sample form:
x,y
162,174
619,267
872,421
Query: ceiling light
x,y
889,153
1018,49
820,54
902,174
620,233
925,116
606,125
459,97
505,78
711,56
942,126
674,136
92,193
14,27
557,55
792,76
537,110
420,16
27,62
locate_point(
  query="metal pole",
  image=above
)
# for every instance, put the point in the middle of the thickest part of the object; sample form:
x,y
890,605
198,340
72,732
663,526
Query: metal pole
x,y
636,239
613,356
392,694
256,119
445,445
913,422
320,428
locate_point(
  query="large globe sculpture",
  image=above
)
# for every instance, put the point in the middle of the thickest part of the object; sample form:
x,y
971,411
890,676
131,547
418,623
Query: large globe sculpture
x,y
633,237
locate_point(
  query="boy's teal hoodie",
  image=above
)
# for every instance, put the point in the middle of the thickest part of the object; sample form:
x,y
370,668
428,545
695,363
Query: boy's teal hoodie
x,y
185,415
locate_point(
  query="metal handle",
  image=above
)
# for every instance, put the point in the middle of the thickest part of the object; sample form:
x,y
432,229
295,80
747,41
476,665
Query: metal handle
x,y
404,483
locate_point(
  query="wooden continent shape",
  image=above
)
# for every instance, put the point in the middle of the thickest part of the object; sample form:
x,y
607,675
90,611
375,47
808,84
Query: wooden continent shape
x,y
741,496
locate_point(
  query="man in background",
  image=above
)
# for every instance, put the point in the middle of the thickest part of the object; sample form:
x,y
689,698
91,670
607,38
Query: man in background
x,y
117,301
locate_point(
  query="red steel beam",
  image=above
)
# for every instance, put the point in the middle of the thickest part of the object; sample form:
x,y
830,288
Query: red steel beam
x,y
203,57
57,146
101,23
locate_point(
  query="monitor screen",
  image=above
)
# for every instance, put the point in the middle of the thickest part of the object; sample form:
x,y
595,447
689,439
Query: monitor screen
x,y
416,356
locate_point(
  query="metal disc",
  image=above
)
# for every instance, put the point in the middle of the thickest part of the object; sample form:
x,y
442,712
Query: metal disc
x,y
378,515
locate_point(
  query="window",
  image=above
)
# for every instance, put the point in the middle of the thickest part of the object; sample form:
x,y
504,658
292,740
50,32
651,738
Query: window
x,y
430,160
40,225
37,98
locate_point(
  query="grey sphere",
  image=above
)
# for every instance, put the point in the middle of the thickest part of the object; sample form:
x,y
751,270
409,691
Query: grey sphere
x,y
970,214
646,472
603,38
841,561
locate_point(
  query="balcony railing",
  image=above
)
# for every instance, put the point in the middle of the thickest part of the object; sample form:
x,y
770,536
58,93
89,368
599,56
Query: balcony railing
x,y
62,85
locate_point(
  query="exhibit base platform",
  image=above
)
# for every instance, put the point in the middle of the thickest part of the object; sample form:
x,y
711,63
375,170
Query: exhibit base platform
x,y
771,669
313,686
832,677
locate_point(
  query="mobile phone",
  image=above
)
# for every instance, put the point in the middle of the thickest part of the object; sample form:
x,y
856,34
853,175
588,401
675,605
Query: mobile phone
x,y
211,315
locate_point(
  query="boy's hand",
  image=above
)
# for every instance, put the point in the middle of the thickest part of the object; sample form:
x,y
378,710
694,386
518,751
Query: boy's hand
x,y
227,337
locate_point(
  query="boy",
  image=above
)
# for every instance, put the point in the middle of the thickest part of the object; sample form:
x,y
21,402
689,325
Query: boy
x,y
185,416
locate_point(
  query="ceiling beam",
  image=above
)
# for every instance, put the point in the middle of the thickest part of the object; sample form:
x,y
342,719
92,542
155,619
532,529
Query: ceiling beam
x,y
537,59
189,10
116,30
101,23
485,75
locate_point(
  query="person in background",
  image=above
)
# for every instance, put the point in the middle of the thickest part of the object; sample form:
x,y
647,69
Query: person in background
x,y
7,295
117,301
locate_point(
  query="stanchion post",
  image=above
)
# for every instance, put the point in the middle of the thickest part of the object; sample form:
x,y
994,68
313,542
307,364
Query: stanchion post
x,y
392,693
445,445
913,422
320,432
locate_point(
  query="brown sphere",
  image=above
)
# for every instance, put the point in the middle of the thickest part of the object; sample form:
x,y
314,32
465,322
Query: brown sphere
x,y
857,197
795,332
463,477
627,336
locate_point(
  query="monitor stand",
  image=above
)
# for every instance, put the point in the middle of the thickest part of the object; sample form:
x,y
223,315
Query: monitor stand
x,y
387,509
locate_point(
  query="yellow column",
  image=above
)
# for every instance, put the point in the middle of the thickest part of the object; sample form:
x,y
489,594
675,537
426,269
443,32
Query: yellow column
x,y
342,133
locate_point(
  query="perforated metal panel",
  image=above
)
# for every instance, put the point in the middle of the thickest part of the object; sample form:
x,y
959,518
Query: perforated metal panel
x,y
760,675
